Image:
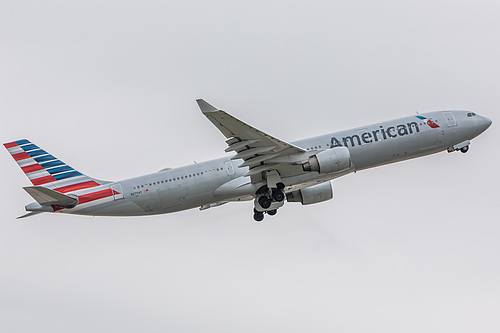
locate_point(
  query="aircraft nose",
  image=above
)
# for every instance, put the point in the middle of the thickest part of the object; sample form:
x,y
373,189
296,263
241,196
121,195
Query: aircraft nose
x,y
487,123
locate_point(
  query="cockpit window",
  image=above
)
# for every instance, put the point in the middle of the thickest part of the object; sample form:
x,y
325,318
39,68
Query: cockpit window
x,y
471,114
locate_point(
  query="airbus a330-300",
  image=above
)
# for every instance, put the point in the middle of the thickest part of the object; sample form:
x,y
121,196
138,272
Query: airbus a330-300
x,y
261,167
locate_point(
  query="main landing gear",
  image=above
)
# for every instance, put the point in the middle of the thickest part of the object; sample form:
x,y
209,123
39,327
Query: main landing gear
x,y
268,202
270,197
259,216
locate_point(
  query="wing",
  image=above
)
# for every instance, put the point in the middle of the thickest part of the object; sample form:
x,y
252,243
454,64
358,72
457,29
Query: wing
x,y
259,151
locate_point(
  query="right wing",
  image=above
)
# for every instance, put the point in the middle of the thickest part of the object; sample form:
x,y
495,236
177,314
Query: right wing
x,y
259,151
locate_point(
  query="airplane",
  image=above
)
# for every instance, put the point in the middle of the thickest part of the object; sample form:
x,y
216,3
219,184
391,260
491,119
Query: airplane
x,y
261,167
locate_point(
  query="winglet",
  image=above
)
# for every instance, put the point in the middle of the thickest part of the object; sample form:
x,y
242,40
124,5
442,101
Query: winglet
x,y
205,107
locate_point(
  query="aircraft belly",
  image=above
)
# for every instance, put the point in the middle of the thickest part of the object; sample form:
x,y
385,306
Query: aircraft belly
x,y
186,196
148,200
236,188
125,207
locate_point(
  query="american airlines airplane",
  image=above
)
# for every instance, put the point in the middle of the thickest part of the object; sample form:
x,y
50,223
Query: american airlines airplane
x,y
261,167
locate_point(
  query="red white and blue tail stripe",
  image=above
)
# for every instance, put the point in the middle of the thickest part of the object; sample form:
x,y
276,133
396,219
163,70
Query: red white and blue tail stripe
x,y
43,169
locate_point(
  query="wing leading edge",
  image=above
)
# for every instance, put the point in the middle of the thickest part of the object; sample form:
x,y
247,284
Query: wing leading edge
x,y
260,151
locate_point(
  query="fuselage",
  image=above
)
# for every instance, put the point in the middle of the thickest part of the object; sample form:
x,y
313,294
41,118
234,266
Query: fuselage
x,y
221,180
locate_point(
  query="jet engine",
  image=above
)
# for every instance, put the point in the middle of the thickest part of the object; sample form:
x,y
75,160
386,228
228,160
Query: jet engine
x,y
327,161
312,194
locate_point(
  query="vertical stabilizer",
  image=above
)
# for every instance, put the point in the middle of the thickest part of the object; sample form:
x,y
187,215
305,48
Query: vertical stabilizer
x,y
43,169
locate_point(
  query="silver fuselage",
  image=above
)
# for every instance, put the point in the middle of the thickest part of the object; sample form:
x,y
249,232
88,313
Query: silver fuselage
x,y
221,180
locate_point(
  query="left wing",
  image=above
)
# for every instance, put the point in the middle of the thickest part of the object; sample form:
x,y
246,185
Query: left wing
x,y
259,151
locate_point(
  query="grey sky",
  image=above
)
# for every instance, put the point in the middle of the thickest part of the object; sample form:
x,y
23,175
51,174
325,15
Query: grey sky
x,y
110,87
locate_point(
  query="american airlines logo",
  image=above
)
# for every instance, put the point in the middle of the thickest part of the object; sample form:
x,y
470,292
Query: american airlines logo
x,y
381,134
429,122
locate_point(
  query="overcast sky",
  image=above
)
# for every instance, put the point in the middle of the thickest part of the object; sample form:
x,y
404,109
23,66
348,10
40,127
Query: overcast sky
x,y
109,87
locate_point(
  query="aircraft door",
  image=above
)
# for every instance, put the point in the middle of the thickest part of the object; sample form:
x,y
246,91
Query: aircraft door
x,y
117,191
450,119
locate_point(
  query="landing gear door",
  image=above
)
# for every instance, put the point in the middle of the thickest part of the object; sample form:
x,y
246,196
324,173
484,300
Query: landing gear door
x,y
117,191
450,119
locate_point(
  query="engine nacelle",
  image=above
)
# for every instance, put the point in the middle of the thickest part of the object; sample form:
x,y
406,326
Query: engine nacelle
x,y
331,160
312,194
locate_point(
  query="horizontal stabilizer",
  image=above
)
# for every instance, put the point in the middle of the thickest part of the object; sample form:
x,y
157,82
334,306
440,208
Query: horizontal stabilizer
x,y
48,197
28,215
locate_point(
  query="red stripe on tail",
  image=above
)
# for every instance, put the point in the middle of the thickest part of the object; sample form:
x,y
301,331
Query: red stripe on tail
x,y
90,197
10,145
31,168
43,180
76,187
94,196
21,156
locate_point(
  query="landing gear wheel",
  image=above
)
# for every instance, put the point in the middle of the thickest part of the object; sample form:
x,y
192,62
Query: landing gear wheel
x,y
464,149
278,196
264,202
272,212
258,216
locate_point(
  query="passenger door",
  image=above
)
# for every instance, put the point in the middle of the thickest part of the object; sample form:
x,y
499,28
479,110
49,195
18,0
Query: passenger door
x,y
450,119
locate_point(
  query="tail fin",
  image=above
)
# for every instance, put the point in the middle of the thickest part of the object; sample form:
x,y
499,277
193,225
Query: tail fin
x,y
45,170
